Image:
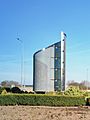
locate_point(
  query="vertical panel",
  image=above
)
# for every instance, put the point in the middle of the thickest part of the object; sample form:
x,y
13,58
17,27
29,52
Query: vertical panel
x,y
43,73
57,67
63,51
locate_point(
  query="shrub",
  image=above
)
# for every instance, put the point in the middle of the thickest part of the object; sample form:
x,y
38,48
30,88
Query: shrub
x,y
86,94
73,91
15,90
88,101
59,93
1,89
50,93
7,89
41,100
4,92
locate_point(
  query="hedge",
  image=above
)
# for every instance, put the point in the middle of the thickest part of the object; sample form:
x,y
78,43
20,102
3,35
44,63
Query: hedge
x,y
88,101
41,100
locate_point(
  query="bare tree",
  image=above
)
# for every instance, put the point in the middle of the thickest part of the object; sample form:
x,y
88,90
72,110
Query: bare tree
x,y
7,83
83,85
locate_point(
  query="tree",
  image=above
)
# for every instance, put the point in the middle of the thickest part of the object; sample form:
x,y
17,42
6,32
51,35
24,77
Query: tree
x,y
83,85
73,83
7,83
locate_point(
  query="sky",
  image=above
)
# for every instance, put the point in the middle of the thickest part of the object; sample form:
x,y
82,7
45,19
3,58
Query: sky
x,y
38,23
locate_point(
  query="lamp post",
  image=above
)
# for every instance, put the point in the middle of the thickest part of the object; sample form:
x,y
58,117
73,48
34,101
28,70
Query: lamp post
x,y
87,78
22,60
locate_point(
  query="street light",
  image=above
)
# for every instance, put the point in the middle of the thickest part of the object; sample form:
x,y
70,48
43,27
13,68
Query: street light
x,y
87,78
22,60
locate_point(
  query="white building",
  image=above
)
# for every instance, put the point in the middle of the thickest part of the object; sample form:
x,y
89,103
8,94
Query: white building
x,y
49,67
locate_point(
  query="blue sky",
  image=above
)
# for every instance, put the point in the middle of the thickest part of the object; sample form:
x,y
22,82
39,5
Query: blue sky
x,y
38,23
